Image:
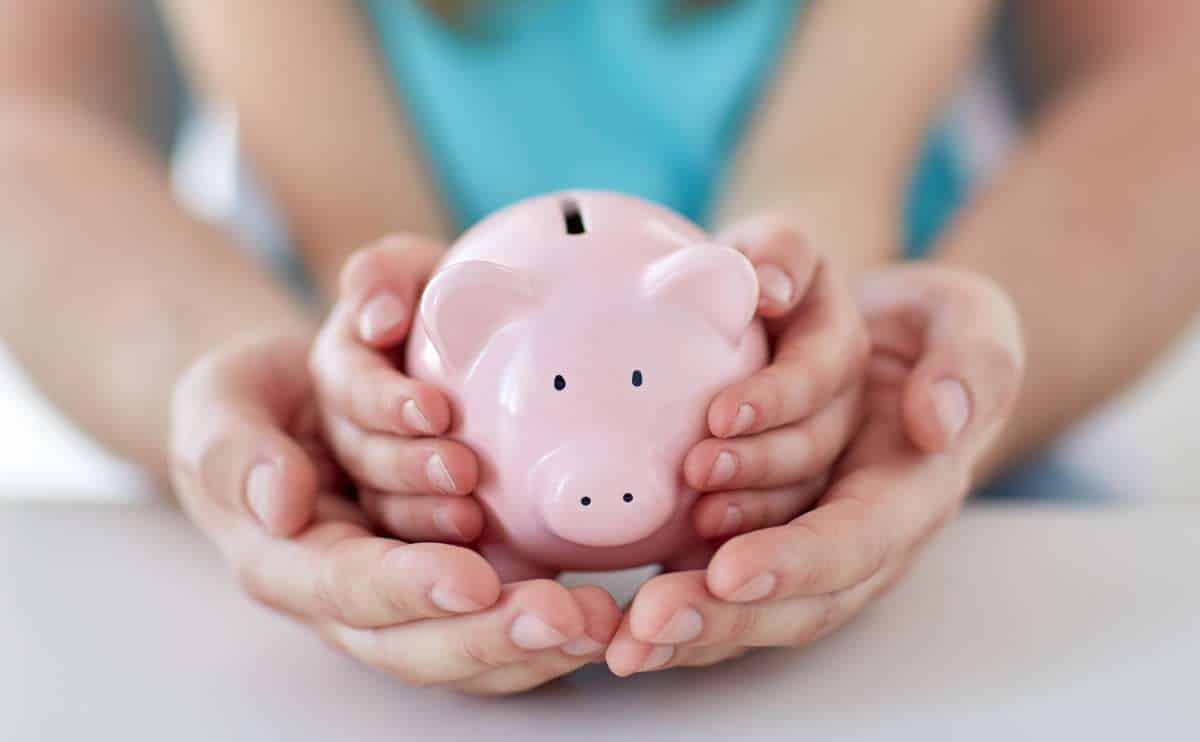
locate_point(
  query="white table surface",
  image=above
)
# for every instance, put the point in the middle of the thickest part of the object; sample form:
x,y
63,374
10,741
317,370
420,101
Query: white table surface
x,y
1020,622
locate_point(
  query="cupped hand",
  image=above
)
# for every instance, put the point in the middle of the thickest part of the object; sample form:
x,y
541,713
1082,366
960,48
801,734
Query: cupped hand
x,y
383,426
252,472
776,435
945,366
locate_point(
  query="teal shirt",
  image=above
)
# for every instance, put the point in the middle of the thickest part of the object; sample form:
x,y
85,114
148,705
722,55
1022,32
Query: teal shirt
x,y
609,94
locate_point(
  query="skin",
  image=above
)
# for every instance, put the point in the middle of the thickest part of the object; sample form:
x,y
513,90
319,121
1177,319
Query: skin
x,y
71,142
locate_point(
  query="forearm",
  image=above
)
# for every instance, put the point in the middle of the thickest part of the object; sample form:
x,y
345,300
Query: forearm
x,y
1094,231
317,115
108,289
832,145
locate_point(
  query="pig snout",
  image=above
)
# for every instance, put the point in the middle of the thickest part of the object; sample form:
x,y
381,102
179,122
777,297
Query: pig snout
x,y
595,494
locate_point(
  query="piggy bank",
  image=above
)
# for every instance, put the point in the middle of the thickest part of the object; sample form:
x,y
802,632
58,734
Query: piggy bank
x,y
580,338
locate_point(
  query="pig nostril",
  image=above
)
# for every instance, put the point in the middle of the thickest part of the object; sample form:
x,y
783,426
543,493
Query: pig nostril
x,y
628,497
585,501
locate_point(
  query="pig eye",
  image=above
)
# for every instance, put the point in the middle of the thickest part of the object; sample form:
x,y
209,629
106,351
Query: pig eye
x,y
559,382
637,378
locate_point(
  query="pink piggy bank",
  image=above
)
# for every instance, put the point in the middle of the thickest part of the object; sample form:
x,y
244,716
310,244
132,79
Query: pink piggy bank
x,y
580,338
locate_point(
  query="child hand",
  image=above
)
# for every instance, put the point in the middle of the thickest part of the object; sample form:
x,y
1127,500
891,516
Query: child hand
x,y
778,433
382,425
945,367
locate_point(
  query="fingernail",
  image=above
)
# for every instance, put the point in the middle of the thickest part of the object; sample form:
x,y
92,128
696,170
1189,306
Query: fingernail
x,y
260,491
731,522
756,589
684,626
774,285
744,420
723,469
380,316
952,405
658,657
531,632
582,646
439,475
414,418
452,601
444,520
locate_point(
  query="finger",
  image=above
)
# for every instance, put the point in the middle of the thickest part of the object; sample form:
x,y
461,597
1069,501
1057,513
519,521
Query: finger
x,y
676,622
776,457
626,655
677,610
228,440
723,515
404,465
364,386
705,656
820,350
867,521
734,628
782,257
601,616
800,621
424,517
969,359
338,572
538,669
530,617
380,286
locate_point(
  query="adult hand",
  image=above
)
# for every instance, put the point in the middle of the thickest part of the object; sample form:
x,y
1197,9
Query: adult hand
x,y
251,472
945,367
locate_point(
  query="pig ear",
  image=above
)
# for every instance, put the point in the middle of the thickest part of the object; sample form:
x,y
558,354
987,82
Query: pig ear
x,y
716,282
466,303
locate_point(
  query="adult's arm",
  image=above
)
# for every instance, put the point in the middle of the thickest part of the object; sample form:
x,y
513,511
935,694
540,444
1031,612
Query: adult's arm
x,y
108,289
1093,229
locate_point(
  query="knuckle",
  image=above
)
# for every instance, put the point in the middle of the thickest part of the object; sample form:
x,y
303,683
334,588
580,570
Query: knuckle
x,y
382,258
785,507
1004,367
860,350
827,618
745,620
482,653
771,394
807,575
212,456
358,266
250,578
335,585
414,677
875,552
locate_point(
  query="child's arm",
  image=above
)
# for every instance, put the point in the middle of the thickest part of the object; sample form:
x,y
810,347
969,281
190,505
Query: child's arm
x,y
318,118
833,141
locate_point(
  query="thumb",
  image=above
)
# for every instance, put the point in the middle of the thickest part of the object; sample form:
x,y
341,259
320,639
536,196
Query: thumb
x,y
229,435
969,355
